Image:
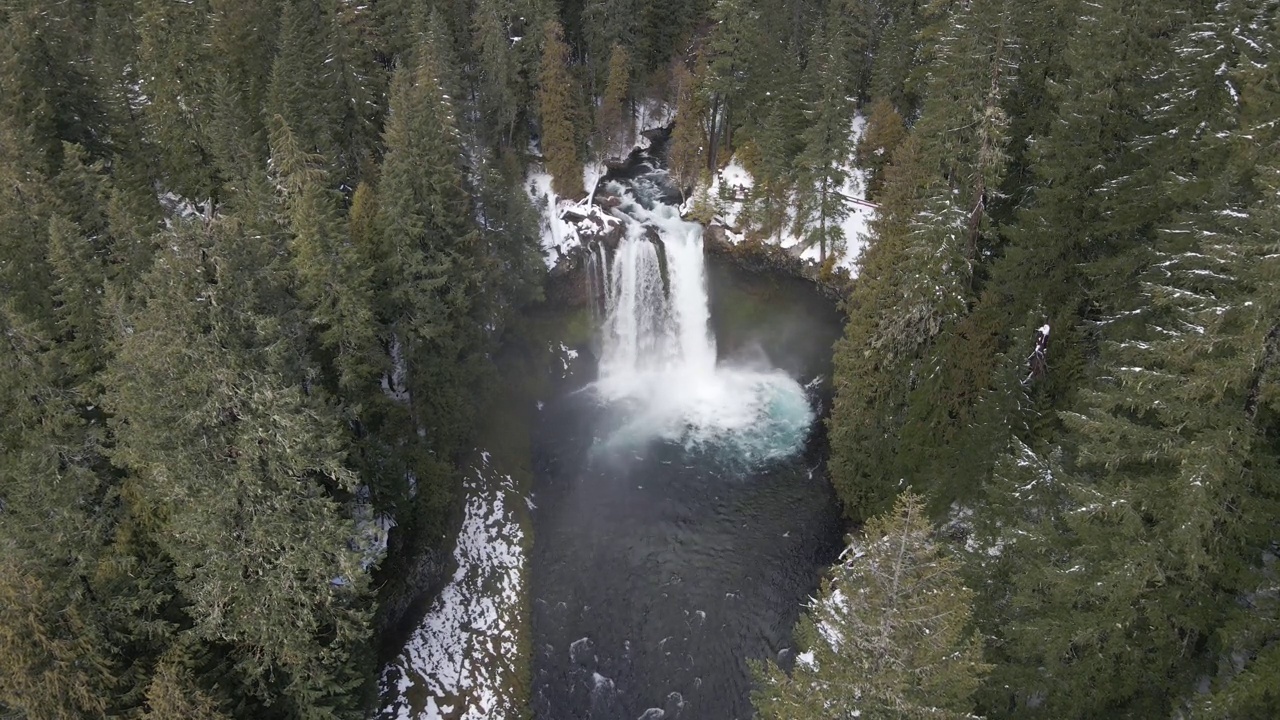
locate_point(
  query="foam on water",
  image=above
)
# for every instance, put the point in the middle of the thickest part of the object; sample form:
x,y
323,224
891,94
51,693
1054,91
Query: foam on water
x,y
658,360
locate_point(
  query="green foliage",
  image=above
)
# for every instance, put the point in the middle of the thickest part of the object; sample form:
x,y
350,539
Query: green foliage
x,y
820,204
895,312
556,114
56,658
319,91
332,281
217,439
175,62
884,132
1110,478
194,414
686,155
614,121
505,42
889,635
608,25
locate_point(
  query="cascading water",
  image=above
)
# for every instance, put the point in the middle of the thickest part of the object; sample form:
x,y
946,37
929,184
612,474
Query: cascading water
x,y
658,359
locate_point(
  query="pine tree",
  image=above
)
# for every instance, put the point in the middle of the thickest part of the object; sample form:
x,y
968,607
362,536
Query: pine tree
x,y
174,692
78,288
56,654
686,155
430,256
895,58
242,39
614,121
1119,559
44,88
305,75
908,294
827,150
177,71
850,25
555,110
242,469
26,201
770,149
333,282
889,635
964,120
512,253
663,25
883,133
507,44
736,53
608,25
499,81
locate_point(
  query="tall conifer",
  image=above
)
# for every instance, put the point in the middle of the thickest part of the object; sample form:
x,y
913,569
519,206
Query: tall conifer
x,y
555,110
614,121
887,636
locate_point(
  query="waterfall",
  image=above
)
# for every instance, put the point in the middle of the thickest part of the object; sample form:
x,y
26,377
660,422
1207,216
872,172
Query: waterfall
x,y
658,354
656,316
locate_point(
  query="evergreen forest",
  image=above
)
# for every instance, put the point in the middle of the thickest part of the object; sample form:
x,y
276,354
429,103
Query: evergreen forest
x,y
257,257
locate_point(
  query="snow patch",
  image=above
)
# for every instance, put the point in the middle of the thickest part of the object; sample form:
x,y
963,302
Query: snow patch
x,y
461,661
650,115
563,223
730,191
566,355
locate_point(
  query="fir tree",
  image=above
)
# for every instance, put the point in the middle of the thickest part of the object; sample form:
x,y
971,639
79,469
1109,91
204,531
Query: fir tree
x,y
608,25
614,121
895,56
889,635
333,282
821,204
306,89
56,654
733,66
26,201
883,133
686,154
555,110
242,472
428,275
910,292
499,69
177,73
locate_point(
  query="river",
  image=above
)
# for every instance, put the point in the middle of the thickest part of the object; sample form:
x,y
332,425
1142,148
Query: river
x,y
683,514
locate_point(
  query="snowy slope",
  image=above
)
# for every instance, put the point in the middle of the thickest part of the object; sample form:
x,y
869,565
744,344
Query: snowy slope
x,y
559,234
461,661
734,183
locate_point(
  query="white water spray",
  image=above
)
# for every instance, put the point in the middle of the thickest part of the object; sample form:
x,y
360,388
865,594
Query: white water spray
x,y
659,355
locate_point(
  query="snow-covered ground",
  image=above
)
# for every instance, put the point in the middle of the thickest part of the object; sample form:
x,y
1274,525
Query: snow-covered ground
x,y
461,662
560,234
732,186
650,114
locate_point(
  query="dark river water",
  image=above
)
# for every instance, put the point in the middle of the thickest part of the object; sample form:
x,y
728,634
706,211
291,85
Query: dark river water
x,y
658,572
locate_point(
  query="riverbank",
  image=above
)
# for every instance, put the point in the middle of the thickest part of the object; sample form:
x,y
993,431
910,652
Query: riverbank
x,y
468,657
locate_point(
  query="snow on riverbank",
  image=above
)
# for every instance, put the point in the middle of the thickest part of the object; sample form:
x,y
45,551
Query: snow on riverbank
x,y
651,114
462,661
731,189
563,222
